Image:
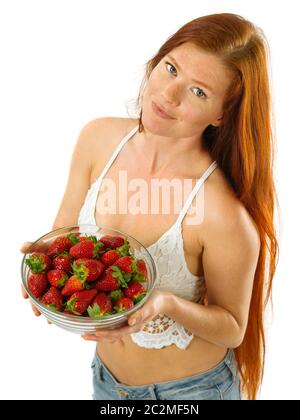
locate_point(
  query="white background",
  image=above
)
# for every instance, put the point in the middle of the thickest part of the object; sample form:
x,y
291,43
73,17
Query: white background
x,y
64,63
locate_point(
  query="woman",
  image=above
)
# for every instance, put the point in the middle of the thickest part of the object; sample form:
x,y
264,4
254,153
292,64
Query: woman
x,y
205,116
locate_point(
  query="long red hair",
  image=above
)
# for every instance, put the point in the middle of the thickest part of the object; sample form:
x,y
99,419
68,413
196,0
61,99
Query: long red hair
x,y
243,146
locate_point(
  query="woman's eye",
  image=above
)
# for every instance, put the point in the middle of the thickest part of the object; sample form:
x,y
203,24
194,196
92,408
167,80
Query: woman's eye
x,y
200,90
168,64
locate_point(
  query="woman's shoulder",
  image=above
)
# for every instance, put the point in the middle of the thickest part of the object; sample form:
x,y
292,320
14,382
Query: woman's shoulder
x,y
106,133
223,211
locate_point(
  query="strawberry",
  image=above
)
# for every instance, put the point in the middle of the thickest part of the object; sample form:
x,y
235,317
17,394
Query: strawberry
x,y
126,264
61,244
38,262
79,301
53,299
141,274
87,249
112,241
57,278
109,257
73,284
37,284
116,243
82,238
87,237
111,279
123,304
135,291
87,268
63,262
102,305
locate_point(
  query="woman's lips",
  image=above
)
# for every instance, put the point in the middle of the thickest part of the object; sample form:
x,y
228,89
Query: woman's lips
x,y
160,112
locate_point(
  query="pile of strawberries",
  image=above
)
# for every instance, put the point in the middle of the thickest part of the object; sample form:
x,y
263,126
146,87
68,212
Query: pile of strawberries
x,y
86,276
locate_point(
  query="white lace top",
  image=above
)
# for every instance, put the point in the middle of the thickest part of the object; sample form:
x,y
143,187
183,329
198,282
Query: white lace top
x,y
168,255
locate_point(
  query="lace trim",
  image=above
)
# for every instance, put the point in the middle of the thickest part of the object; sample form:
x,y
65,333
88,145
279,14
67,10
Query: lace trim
x,y
162,331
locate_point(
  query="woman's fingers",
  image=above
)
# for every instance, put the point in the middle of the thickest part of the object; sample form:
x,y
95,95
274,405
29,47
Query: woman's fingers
x,y
24,293
41,247
35,310
25,246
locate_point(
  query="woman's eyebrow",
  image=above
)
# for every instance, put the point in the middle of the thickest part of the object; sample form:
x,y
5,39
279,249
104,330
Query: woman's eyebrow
x,y
193,80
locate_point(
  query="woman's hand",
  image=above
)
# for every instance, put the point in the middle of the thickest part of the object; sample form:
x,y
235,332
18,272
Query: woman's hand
x,y
156,304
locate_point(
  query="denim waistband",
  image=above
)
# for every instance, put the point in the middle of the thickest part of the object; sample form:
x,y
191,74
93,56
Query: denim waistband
x,y
218,373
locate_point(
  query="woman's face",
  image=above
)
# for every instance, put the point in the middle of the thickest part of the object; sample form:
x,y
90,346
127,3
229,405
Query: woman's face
x,y
193,104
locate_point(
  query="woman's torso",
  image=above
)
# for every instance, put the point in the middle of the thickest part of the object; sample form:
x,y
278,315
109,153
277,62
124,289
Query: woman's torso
x,y
128,362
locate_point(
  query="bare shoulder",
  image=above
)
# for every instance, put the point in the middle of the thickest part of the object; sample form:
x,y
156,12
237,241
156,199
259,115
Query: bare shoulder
x,y
105,135
224,214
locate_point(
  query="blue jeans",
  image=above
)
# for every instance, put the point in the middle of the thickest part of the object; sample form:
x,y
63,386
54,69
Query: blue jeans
x,y
219,383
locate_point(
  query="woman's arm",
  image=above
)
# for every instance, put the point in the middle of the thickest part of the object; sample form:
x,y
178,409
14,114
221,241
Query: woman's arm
x,y
231,250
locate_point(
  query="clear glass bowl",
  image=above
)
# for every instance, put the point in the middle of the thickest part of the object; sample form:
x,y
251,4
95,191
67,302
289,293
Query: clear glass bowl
x,y
80,324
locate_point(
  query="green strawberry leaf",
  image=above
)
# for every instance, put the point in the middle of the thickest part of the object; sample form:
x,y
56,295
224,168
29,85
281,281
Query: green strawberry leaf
x,y
94,311
53,307
70,306
140,297
80,271
138,277
117,273
92,238
123,250
116,294
36,264
134,266
74,239
127,277
119,308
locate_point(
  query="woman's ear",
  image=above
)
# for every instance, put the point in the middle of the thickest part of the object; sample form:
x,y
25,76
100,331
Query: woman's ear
x,y
218,122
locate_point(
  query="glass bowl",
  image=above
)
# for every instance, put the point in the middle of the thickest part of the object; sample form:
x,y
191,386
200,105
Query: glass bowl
x,y
81,324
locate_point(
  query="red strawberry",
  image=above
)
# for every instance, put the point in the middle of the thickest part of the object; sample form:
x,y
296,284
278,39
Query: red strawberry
x,y
135,291
63,262
109,257
112,241
102,305
141,273
126,264
82,238
87,268
79,301
87,237
61,244
53,299
123,304
73,284
57,278
112,279
38,262
68,312
87,249
37,284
